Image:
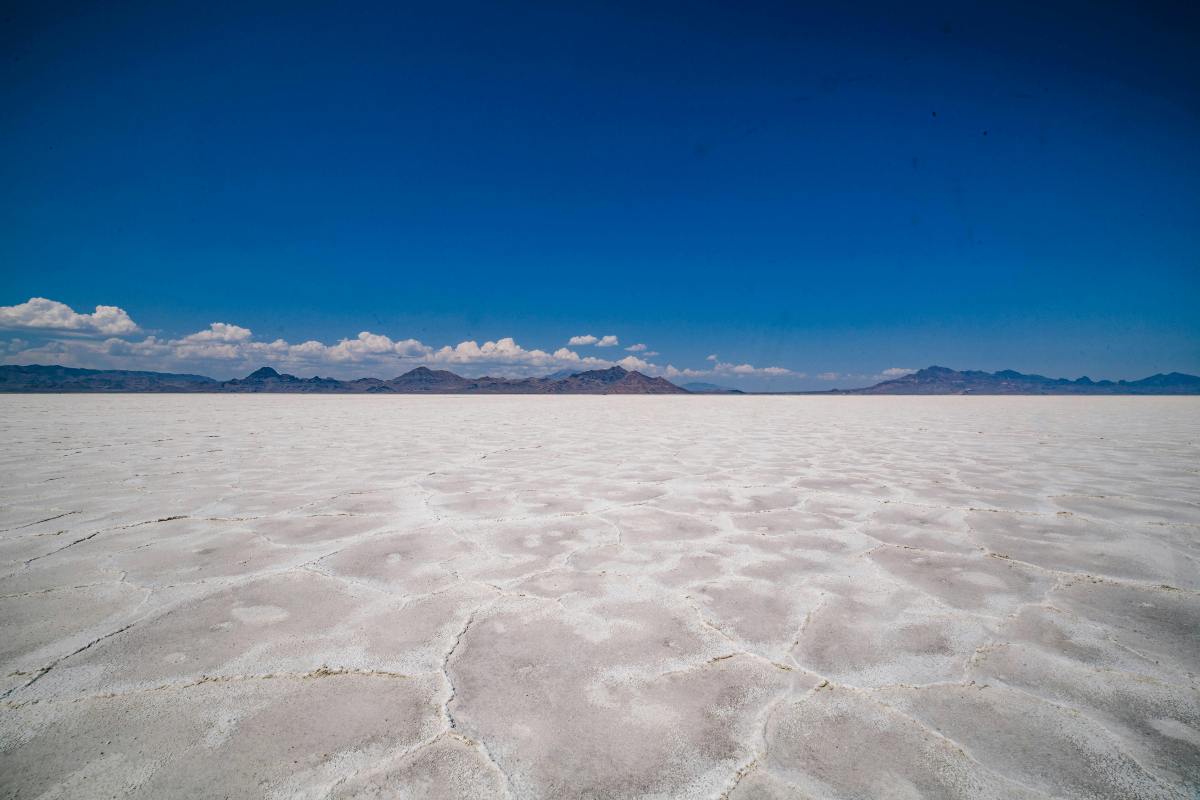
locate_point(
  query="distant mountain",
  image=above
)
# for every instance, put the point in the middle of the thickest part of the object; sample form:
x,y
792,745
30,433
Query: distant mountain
x,y
38,378
266,379
422,380
614,380
942,380
709,388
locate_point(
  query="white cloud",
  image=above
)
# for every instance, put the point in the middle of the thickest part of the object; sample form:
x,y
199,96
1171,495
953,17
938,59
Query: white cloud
x,y
366,346
828,376
228,349
635,363
219,332
722,368
501,351
599,341
896,372
711,357
38,313
672,372
225,349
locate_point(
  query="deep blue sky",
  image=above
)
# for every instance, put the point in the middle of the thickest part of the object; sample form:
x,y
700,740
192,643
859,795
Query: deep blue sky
x,y
820,190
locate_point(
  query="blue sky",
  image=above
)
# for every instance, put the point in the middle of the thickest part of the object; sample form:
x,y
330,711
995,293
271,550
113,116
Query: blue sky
x,y
831,194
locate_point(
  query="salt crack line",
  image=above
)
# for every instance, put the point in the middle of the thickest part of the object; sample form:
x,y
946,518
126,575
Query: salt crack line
x,y
102,530
42,671
40,521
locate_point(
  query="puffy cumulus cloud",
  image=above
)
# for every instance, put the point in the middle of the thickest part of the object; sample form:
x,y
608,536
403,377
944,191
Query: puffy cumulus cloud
x,y
569,358
635,363
38,313
501,351
222,342
636,348
711,357
365,347
589,339
896,372
219,332
150,346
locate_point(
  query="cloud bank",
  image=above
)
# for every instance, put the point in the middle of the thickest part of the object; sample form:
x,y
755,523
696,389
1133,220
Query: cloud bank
x,y
107,339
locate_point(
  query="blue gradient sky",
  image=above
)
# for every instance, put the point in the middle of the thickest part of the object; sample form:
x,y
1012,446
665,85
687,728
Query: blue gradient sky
x,y
822,191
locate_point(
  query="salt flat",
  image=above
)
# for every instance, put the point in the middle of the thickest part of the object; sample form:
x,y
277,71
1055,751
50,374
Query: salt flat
x,y
544,597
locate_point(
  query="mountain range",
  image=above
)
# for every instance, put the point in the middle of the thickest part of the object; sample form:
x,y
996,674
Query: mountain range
x,y
614,380
943,380
422,380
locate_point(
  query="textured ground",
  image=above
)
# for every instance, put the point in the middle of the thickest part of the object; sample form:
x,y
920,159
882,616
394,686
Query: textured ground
x,y
281,596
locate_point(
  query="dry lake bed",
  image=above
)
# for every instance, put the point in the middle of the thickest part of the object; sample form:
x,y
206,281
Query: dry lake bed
x,y
601,597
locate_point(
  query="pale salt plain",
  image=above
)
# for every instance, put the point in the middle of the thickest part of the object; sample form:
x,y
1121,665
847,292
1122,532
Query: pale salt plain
x,y
545,597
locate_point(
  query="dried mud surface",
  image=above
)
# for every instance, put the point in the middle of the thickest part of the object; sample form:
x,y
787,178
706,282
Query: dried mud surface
x,y
599,597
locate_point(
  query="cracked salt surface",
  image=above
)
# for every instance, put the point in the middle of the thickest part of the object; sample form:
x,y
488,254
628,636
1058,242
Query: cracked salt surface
x,y
528,597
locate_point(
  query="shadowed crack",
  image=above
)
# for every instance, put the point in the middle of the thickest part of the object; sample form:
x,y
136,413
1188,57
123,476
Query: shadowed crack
x,y
446,668
451,723
487,754
97,533
41,672
40,521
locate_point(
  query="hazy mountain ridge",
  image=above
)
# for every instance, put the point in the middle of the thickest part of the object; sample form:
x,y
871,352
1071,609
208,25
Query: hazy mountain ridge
x,y
614,380
38,378
422,380
943,380
710,388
